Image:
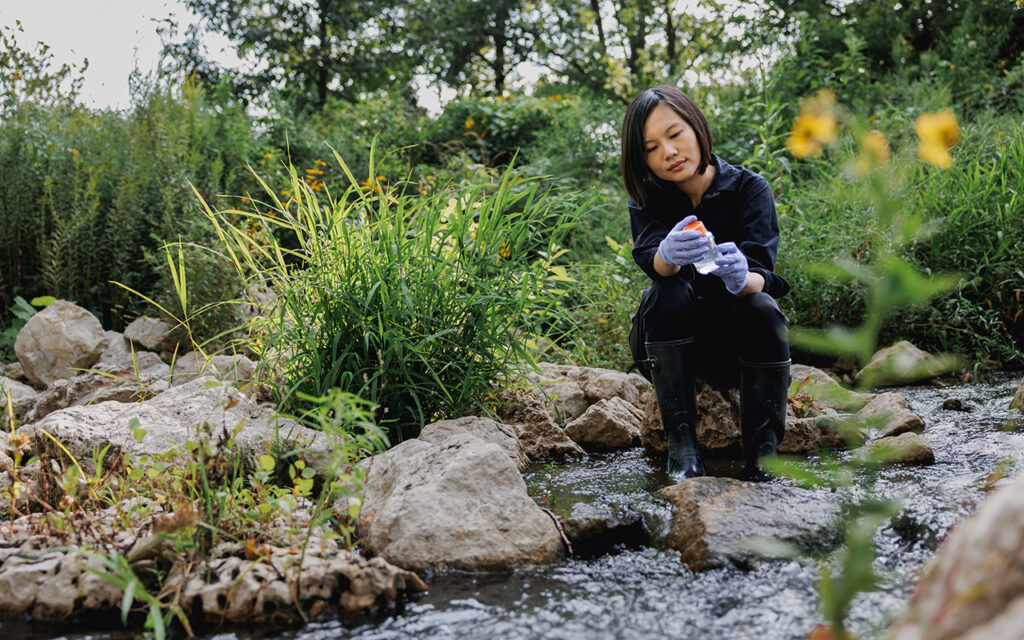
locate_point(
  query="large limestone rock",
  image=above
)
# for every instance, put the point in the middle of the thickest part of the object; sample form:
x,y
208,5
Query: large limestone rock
x,y
715,518
1018,398
811,433
538,432
107,381
825,391
901,363
168,421
55,585
973,588
459,504
570,389
606,426
484,428
889,412
57,340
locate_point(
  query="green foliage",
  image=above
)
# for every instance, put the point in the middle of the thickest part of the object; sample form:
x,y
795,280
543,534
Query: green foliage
x,y
416,303
22,312
30,75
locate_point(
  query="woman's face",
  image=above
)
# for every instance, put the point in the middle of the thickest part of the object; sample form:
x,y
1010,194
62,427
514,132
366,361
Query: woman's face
x,y
670,145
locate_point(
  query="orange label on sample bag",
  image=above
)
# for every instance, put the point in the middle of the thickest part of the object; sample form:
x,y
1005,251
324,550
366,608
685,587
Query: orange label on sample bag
x,y
698,225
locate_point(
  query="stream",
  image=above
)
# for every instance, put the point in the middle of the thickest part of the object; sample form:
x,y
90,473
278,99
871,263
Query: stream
x,y
649,593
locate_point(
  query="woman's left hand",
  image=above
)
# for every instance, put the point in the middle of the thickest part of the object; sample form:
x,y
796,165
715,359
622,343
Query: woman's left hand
x,y
732,267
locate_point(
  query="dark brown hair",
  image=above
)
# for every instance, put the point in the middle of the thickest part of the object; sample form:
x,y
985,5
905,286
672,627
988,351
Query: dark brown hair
x,y
636,174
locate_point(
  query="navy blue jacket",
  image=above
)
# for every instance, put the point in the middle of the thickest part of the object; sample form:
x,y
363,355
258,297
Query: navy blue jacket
x,y
737,207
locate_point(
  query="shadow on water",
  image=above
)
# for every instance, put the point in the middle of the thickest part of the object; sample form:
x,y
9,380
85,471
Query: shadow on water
x,y
649,593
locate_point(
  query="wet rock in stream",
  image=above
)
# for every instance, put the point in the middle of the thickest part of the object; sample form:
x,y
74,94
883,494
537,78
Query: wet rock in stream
x,y
716,518
595,529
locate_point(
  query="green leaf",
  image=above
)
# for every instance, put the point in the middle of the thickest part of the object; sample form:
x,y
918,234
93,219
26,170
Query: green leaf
x,y
43,301
267,462
127,599
158,621
139,434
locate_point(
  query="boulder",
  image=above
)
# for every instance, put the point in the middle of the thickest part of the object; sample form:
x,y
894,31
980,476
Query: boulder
x,y
486,429
1018,398
106,382
595,529
606,426
889,412
822,431
824,390
973,588
901,363
236,369
906,448
539,434
955,404
458,504
571,389
55,585
23,398
57,340
150,334
716,519
168,421
118,351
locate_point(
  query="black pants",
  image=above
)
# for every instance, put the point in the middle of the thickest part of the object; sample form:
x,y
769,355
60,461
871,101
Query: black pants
x,y
725,328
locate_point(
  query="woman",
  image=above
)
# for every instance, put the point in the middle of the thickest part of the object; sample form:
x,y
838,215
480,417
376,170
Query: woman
x,y
726,325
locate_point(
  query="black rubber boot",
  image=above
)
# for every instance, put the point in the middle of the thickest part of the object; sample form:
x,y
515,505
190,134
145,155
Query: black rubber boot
x,y
674,385
764,388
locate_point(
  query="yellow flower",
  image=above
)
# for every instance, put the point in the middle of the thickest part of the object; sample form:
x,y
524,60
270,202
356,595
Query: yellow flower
x,y
874,152
815,125
469,123
320,162
938,132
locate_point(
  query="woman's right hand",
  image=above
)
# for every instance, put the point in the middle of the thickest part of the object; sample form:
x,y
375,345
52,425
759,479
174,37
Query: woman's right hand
x,y
682,247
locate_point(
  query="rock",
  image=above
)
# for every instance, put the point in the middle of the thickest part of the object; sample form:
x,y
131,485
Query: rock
x,y
14,371
901,363
595,530
23,398
459,504
718,417
150,334
57,340
825,391
1018,398
572,389
906,448
236,369
118,351
716,517
652,431
55,585
974,585
110,382
889,412
169,420
822,431
539,434
606,426
484,428
235,589
954,404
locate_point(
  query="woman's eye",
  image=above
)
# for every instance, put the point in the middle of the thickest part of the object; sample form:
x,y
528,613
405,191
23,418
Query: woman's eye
x,y
674,134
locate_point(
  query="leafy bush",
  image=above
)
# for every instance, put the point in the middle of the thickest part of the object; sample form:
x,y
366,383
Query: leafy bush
x,y
416,303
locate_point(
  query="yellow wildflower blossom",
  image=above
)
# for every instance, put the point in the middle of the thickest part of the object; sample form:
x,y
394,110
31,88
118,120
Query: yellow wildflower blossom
x,y
469,123
815,125
938,132
874,152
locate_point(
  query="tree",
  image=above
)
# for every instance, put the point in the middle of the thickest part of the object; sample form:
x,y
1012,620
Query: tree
x,y
30,75
307,50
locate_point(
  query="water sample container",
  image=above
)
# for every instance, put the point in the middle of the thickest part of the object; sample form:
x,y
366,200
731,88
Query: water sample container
x,y
707,263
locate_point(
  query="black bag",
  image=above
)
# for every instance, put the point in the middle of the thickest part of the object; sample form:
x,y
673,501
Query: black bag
x,y
638,337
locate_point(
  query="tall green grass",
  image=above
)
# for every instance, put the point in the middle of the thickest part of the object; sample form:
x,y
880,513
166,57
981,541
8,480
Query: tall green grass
x,y
415,303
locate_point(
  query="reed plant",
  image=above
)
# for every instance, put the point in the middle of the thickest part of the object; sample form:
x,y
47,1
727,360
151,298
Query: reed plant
x,y
417,303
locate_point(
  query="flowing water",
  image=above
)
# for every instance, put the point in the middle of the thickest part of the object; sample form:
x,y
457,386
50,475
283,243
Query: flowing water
x,y
649,593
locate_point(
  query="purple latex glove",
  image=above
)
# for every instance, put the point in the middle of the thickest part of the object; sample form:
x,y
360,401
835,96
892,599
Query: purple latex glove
x,y
683,247
732,267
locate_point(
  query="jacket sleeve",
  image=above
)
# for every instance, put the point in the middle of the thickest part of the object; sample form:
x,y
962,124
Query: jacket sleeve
x,y
760,230
648,233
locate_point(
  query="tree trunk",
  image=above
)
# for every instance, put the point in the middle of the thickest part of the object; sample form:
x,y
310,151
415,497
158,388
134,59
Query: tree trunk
x,y
595,6
323,56
500,41
670,36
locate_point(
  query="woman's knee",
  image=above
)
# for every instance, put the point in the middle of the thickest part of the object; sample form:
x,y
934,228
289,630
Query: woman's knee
x,y
764,337
760,309
668,311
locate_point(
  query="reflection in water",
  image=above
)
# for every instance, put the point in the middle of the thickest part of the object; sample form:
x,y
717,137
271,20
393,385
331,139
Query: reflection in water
x,y
650,594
